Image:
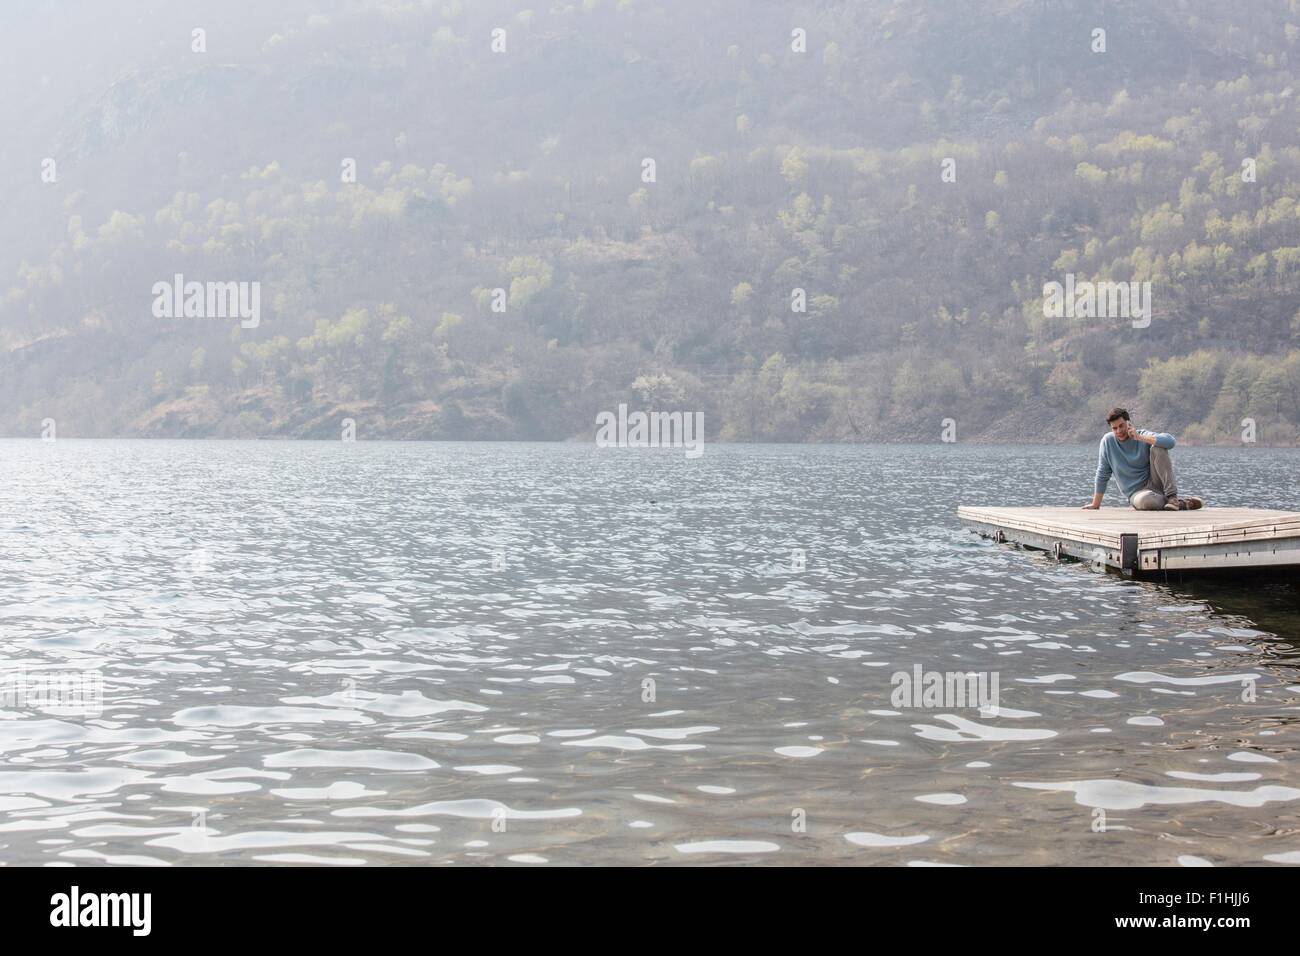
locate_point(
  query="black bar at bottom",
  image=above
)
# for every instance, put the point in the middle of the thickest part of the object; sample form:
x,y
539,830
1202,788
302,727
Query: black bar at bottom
x,y
368,906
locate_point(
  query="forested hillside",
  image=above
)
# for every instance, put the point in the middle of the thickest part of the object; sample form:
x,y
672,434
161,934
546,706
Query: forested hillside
x,y
775,169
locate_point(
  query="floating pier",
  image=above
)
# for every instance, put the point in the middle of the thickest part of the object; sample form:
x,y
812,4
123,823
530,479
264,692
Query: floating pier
x,y
1140,542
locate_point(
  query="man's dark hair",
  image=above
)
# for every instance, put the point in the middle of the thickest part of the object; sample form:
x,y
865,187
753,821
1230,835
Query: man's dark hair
x,y
1115,413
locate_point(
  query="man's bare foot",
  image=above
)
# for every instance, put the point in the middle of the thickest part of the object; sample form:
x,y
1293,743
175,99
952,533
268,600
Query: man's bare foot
x,y
1173,504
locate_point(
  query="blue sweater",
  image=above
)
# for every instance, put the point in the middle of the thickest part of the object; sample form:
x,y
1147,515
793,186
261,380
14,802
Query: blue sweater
x,y
1129,461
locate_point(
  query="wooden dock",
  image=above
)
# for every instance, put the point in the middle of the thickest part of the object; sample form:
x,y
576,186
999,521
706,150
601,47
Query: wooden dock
x,y
1139,542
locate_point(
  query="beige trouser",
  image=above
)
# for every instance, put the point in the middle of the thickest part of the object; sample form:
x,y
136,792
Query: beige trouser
x,y
1160,486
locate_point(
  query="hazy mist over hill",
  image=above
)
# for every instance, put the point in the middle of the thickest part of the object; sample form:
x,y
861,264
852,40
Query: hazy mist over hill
x,y
456,233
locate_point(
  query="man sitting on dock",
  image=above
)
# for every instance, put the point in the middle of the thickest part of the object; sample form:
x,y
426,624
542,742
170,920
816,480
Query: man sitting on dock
x,y
1140,462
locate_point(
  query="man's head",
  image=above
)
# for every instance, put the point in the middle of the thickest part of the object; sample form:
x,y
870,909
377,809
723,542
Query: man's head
x,y
1118,420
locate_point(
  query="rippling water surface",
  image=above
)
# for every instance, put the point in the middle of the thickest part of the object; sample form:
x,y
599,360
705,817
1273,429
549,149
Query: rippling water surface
x,y
423,653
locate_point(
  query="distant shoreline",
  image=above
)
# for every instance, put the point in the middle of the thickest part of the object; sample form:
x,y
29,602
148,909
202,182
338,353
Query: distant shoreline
x,y
574,441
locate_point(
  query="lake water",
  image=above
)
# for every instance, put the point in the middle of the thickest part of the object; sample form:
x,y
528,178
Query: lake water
x,y
431,653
